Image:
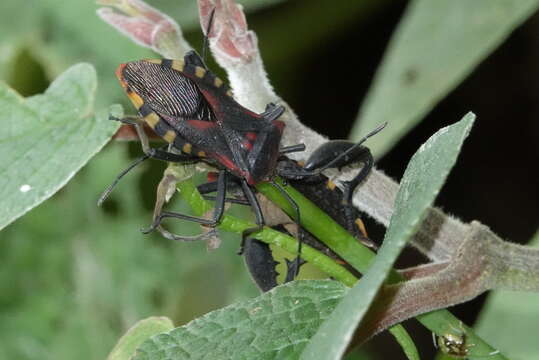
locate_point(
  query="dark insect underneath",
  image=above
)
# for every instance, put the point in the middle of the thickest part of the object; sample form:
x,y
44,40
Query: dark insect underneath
x,y
194,112
327,196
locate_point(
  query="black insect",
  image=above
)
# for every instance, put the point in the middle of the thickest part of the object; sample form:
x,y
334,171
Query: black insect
x,y
194,111
332,154
322,191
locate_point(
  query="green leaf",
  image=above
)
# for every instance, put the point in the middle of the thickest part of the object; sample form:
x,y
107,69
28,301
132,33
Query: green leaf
x,y
276,325
436,46
422,180
518,312
47,138
141,331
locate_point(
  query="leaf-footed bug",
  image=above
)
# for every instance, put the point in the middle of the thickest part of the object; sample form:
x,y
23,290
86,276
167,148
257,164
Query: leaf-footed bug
x,y
194,111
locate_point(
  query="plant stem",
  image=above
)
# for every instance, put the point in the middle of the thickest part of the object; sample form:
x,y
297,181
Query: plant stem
x,y
200,207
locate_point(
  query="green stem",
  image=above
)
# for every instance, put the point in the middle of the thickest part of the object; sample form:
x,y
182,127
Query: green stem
x,y
200,207
323,227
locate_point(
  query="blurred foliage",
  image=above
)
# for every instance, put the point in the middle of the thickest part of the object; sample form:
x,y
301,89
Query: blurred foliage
x,y
437,44
74,277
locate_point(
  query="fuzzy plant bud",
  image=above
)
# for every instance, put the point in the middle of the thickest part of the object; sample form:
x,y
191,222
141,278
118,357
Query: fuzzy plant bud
x,y
144,25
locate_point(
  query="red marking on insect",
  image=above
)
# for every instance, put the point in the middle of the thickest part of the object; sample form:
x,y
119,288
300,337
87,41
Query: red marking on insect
x,y
201,124
247,145
120,76
279,124
212,176
232,167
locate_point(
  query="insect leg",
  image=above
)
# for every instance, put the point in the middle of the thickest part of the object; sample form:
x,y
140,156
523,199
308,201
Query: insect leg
x,y
217,212
293,267
152,153
128,120
165,187
159,154
211,187
259,217
272,112
349,187
109,189
292,148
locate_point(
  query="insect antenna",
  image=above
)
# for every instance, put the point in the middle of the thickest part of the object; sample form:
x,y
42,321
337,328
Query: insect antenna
x,y
108,190
205,46
350,150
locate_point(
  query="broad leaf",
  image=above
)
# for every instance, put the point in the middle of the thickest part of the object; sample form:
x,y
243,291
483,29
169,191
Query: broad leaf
x,y
47,138
421,182
275,325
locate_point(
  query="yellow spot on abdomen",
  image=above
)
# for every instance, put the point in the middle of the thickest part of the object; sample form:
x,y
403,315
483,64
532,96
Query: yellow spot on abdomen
x,y
151,119
169,136
200,72
361,227
154,61
135,99
178,65
187,148
218,82
330,185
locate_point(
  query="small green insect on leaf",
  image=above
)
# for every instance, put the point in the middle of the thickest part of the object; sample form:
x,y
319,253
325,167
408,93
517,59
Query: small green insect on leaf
x,y
45,139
